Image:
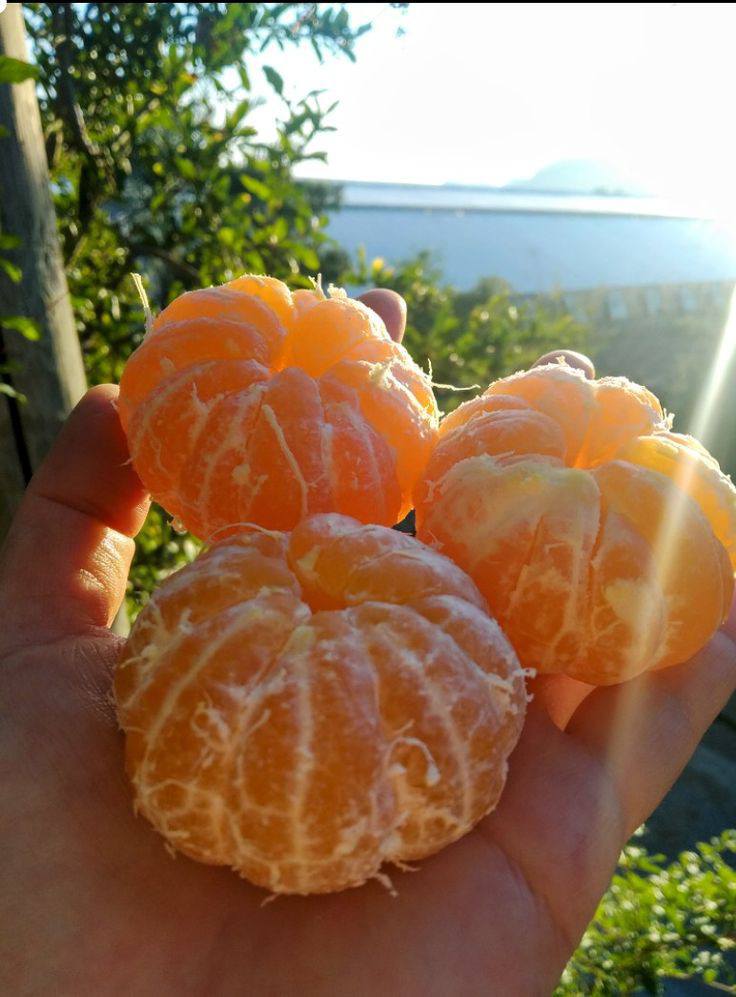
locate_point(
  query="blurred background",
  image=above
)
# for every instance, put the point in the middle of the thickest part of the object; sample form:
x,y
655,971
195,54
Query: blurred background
x,y
528,176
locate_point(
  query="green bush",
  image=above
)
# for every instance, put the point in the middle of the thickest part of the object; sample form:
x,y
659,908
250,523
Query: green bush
x,y
659,922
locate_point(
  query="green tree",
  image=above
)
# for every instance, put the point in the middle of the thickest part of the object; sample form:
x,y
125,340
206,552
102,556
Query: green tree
x,y
156,166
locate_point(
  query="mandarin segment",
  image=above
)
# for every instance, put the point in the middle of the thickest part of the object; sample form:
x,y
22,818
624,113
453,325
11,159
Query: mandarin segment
x,y
390,357
510,527
302,300
596,417
621,412
600,538
304,707
175,412
505,433
270,290
221,303
557,391
396,401
691,467
690,565
346,421
626,619
338,562
324,334
360,465
482,405
181,345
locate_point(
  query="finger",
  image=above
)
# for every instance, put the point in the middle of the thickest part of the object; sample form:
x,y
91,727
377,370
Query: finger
x,y
560,822
729,626
574,797
571,358
65,562
644,731
559,696
391,307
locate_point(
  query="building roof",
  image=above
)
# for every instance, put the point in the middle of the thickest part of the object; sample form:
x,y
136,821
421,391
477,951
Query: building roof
x,y
367,194
538,242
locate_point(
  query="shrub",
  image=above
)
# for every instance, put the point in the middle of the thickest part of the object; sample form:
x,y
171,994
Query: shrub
x,y
661,921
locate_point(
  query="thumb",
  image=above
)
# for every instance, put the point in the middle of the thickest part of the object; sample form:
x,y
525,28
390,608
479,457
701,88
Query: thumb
x,y
65,562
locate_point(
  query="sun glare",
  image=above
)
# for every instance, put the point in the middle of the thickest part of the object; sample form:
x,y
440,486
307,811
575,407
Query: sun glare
x,y
707,411
633,696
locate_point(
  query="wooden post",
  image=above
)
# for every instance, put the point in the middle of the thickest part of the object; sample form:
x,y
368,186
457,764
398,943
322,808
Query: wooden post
x,y
49,371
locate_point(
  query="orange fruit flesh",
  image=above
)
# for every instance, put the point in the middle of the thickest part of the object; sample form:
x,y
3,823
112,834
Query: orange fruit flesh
x,y
600,539
174,412
685,462
324,334
269,290
346,422
304,707
596,417
224,302
181,345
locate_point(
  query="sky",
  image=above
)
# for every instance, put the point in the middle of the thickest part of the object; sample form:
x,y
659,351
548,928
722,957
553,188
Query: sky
x,y
490,93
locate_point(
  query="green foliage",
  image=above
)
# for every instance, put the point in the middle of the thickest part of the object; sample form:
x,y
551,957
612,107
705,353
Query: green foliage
x,y
26,327
470,337
661,921
15,70
161,549
156,167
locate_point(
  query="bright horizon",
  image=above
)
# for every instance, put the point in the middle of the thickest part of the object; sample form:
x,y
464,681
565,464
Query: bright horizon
x,y
491,93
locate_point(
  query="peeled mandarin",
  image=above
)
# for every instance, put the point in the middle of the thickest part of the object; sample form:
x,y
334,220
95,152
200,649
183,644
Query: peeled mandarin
x,y
686,462
305,706
247,403
604,543
324,334
270,290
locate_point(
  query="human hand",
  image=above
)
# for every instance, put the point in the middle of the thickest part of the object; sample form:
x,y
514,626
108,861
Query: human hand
x,y
90,900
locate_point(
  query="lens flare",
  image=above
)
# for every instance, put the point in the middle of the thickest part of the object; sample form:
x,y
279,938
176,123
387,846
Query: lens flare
x,y
634,696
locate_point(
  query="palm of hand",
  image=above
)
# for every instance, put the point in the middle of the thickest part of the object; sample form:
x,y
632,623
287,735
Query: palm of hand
x,y
99,896
93,903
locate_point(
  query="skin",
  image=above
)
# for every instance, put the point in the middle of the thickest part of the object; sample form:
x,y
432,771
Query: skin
x,y
90,900
571,358
391,307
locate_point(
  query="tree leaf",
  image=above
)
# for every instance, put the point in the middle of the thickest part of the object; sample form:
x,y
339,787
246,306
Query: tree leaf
x,y
10,392
13,272
238,113
25,326
186,167
280,229
256,187
309,258
15,70
274,79
244,78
